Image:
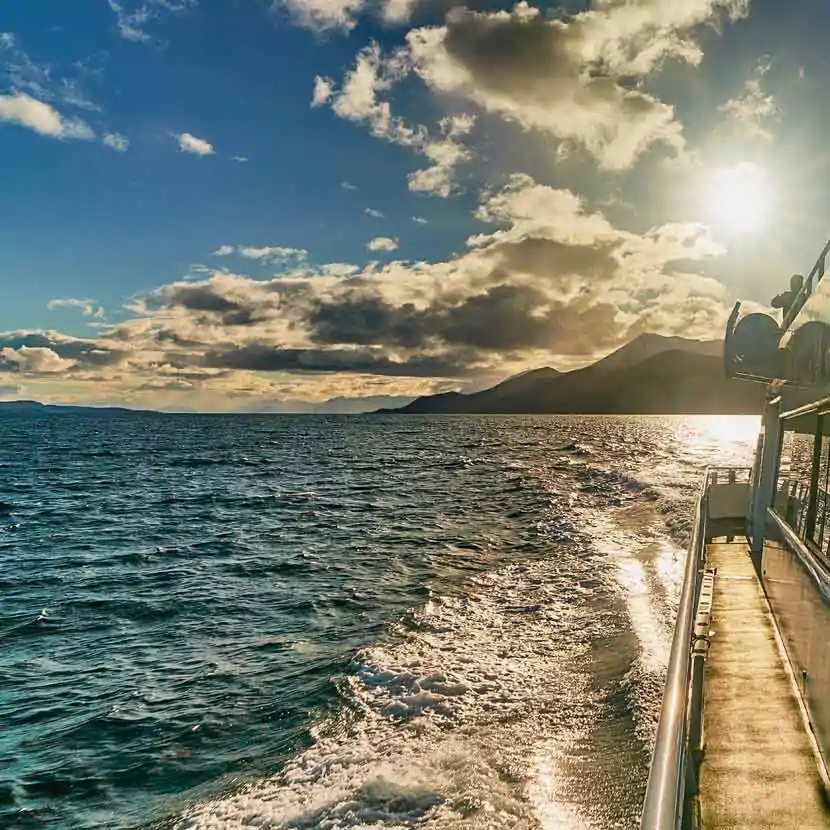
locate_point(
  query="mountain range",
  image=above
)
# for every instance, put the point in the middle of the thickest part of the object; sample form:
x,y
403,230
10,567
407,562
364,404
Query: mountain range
x,y
650,375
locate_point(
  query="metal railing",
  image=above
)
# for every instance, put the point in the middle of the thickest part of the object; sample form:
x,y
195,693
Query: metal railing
x,y
728,475
666,789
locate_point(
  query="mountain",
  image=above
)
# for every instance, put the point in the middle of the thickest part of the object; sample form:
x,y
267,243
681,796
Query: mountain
x,y
35,408
649,375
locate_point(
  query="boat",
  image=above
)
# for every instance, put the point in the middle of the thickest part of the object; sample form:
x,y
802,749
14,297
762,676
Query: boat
x,y
743,737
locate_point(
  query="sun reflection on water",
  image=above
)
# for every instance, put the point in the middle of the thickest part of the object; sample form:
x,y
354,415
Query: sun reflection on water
x,y
716,432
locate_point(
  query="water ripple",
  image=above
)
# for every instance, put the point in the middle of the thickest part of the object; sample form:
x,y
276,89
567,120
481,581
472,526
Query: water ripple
x,y
241,622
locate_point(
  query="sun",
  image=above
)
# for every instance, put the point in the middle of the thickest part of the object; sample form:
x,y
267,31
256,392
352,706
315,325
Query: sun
x,y
738,199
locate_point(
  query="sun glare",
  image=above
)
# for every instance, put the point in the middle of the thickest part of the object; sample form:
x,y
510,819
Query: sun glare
x,y
738,199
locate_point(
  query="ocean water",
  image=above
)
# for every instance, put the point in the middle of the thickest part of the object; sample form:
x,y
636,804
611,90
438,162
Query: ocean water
x,y
301,622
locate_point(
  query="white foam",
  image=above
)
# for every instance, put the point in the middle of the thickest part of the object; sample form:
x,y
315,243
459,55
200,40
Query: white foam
x,y
449,722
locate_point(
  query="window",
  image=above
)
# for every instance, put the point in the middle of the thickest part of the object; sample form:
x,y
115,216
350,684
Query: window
x,y
802,495
819,524
795,472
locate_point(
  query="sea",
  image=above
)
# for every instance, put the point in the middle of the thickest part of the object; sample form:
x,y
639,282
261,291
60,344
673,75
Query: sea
x,y
220,621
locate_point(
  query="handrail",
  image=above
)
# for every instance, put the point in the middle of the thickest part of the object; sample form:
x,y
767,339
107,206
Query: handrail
x,y
665,790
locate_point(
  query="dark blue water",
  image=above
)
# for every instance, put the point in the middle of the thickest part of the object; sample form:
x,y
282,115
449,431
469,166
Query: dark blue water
x,y
245,621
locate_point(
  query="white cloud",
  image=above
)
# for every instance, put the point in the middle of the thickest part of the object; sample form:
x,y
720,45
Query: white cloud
x,y
445,156
382,243
419,220
132,16
240,159
116,141
266,253
325,15
753,109
273,252
26,111
358,100
375,214
348,186
35,360
397,12
189,143
323,89
89,308
39,80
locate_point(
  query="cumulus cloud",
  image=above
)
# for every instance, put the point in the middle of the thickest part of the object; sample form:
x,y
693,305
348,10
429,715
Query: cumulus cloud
x,y
445,155
34,360
549,281
570,76
19,108
375,214
189,143
348,186
359,100
753,110
224,250
382,243
89,308
396,12
83,353
116,141
419,220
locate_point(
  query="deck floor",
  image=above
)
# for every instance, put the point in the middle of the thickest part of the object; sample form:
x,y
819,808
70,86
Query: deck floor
x,y
758,767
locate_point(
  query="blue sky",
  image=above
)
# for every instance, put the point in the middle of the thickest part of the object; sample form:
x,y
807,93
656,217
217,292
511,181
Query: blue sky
x,y
243,205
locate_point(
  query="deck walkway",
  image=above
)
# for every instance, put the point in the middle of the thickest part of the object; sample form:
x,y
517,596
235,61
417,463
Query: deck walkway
x,y
758,768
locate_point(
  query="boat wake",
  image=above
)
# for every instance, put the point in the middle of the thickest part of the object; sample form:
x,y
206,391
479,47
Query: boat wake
x,y
508,701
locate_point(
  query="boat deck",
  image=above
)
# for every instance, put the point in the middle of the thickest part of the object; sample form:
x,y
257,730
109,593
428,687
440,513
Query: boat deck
x,y
758,768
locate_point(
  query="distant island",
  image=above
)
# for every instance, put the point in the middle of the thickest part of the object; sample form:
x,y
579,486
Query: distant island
x,y
651,375
35,407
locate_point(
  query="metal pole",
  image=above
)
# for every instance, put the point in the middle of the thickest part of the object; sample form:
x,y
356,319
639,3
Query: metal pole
x,y
765,491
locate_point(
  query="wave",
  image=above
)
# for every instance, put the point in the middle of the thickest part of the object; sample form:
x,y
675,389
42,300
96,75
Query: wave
x,y
576,448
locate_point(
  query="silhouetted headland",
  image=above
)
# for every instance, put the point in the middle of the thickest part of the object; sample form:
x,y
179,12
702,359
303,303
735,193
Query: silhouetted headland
x,y
652,375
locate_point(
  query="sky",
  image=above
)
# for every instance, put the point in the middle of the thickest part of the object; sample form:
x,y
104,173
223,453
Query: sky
x,y
325,205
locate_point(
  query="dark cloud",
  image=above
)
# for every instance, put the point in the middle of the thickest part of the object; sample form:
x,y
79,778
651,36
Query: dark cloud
x,y
264,358
505,54
229,301
502,318
365,319
556,260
